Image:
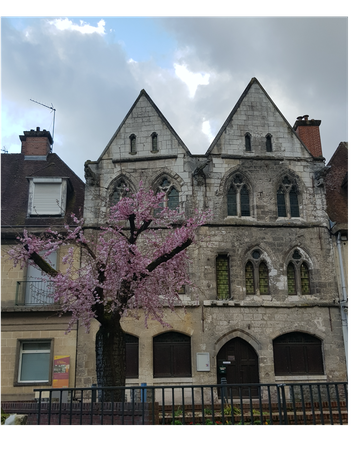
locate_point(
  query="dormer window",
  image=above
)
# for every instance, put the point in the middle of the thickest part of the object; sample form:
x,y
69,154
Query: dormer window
x,y
47,196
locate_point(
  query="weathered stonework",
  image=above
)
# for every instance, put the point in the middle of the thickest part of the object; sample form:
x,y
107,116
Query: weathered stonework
x,y
203,181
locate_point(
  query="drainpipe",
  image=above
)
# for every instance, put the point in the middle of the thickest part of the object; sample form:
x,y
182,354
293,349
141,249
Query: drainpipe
x,y
343,303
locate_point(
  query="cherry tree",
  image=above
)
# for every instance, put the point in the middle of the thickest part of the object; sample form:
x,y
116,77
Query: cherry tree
x,y
135,264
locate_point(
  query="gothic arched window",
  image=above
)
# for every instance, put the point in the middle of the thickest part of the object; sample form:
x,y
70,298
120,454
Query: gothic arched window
x,y
120,190
298,278
172,196
287,199
238,199
257,274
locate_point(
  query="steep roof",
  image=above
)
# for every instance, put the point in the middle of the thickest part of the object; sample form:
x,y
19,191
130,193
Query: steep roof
x,y
251,102
142,94
15,170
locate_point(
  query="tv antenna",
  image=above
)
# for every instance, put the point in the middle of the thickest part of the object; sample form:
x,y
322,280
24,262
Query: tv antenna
x,y
52,109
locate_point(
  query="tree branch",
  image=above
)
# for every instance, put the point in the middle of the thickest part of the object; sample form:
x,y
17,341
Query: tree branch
x,y
166,257
42,264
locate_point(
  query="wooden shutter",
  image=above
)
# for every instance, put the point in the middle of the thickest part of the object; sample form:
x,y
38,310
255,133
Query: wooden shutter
x,y
297,353
172,355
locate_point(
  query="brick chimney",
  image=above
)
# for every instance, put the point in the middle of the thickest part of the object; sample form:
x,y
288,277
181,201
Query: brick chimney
x,y
308,131
36,142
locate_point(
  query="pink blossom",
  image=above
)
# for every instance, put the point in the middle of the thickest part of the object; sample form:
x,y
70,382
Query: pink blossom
x,y
137,263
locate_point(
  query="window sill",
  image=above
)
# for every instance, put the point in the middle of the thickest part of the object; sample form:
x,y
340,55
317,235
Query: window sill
x,y
173,380
242,217
33,383
220,303
289,219
301,378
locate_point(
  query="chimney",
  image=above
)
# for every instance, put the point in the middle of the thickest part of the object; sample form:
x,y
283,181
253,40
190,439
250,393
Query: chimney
x,y
36,142
308,131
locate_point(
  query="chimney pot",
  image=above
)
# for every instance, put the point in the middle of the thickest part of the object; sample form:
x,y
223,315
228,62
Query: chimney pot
x,y
299,118
305,117
38,129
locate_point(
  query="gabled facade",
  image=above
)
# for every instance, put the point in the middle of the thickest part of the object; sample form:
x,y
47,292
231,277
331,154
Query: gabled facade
x,y
38,191
267,309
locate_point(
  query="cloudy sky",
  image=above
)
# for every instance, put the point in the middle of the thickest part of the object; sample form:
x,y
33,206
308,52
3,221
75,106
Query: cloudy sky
x,y
91,70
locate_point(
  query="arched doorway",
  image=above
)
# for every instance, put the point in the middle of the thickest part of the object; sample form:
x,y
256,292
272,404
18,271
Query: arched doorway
x,y
241,365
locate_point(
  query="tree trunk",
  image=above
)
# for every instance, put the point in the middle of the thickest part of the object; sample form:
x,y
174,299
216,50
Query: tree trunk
x,y
110,352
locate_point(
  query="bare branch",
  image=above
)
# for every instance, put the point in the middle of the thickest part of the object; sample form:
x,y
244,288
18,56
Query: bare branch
x,y
166,257
42,264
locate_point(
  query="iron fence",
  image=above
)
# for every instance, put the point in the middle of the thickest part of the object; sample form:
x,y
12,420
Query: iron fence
x,y
218,404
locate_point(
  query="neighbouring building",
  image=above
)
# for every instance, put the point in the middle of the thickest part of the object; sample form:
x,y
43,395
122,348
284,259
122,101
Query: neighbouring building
x,y
38,191
336,183
268,309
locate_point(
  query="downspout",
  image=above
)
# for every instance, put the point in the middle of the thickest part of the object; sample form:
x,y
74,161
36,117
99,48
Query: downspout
x,y
343,303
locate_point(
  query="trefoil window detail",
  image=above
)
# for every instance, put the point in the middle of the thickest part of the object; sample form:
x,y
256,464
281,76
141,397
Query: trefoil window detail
x,y
287,199
298,275
238,198
257,274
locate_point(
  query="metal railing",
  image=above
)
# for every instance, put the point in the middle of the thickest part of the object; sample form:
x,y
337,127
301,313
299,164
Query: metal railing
x,y
34,292
218,404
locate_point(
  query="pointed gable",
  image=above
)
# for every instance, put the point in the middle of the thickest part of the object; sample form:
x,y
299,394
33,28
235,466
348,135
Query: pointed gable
x,y
255,119
151,132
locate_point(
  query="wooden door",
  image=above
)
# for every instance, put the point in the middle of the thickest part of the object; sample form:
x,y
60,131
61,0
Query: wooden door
x,y
241,362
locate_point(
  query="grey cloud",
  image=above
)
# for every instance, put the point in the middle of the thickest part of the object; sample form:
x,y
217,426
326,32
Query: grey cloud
x,y
301,62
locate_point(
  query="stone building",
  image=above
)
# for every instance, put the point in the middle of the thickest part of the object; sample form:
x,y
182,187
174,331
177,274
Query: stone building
x,y
267,309
38,191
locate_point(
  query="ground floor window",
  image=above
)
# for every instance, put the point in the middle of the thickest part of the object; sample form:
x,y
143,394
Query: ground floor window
x,y
34,361
297,353
172,355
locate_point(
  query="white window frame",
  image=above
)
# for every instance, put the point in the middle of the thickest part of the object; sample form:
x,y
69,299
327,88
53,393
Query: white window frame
x,y
21,353
59,207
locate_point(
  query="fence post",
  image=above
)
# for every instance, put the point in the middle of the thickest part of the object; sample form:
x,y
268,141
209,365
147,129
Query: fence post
x,y
143,393
281,397
94,393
